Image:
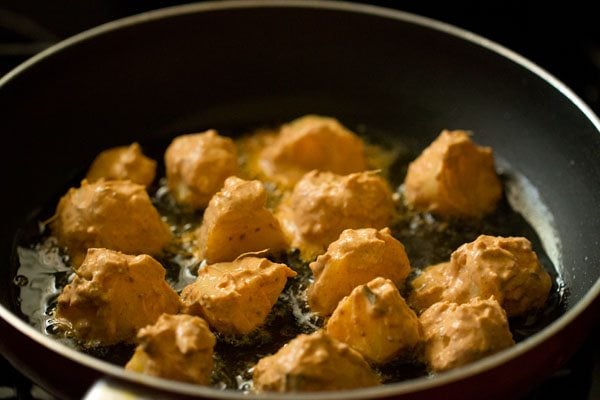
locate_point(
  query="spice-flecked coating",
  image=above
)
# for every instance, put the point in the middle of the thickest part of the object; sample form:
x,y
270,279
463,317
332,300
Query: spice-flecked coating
x,y
197,165
237,222
178,347
311,363
312,142
113,295
355,258
116,215
236,297
458,334
323,204
504,267
453,177
123,163
376,321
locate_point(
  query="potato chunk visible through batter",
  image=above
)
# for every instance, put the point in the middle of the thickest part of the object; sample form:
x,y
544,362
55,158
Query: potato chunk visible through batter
x,y
116,215
236,297
312,142
430,286
311,363
458,334
453,177
376,321
236,222
323,204
506,268
123,163
113,295
358,256
178,347
197,165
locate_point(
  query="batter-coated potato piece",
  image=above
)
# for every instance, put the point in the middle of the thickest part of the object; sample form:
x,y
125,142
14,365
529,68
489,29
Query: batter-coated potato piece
x,y
429,287
236,297
113,295
453,177
312,142
376,321
237,222
323,204
178,347
358,256
311,363
116,215
123,163
504,267
197,165
458,334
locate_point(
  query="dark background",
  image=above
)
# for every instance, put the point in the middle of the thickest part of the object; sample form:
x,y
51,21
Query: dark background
x,y
561,37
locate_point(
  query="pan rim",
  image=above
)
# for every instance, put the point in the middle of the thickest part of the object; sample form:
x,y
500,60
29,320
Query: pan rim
x,y
408,386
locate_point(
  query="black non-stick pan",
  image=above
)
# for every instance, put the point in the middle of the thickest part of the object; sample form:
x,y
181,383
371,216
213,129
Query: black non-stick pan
x,y
237,64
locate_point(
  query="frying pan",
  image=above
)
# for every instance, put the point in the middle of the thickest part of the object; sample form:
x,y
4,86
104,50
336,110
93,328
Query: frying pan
x,y
237,64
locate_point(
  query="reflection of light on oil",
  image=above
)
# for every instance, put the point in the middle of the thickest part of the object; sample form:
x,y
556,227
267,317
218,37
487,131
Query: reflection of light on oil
x,y
42,266
7,392
526,200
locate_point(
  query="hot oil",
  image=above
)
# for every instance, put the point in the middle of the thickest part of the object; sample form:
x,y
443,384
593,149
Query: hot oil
x,y
44,270
288,318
